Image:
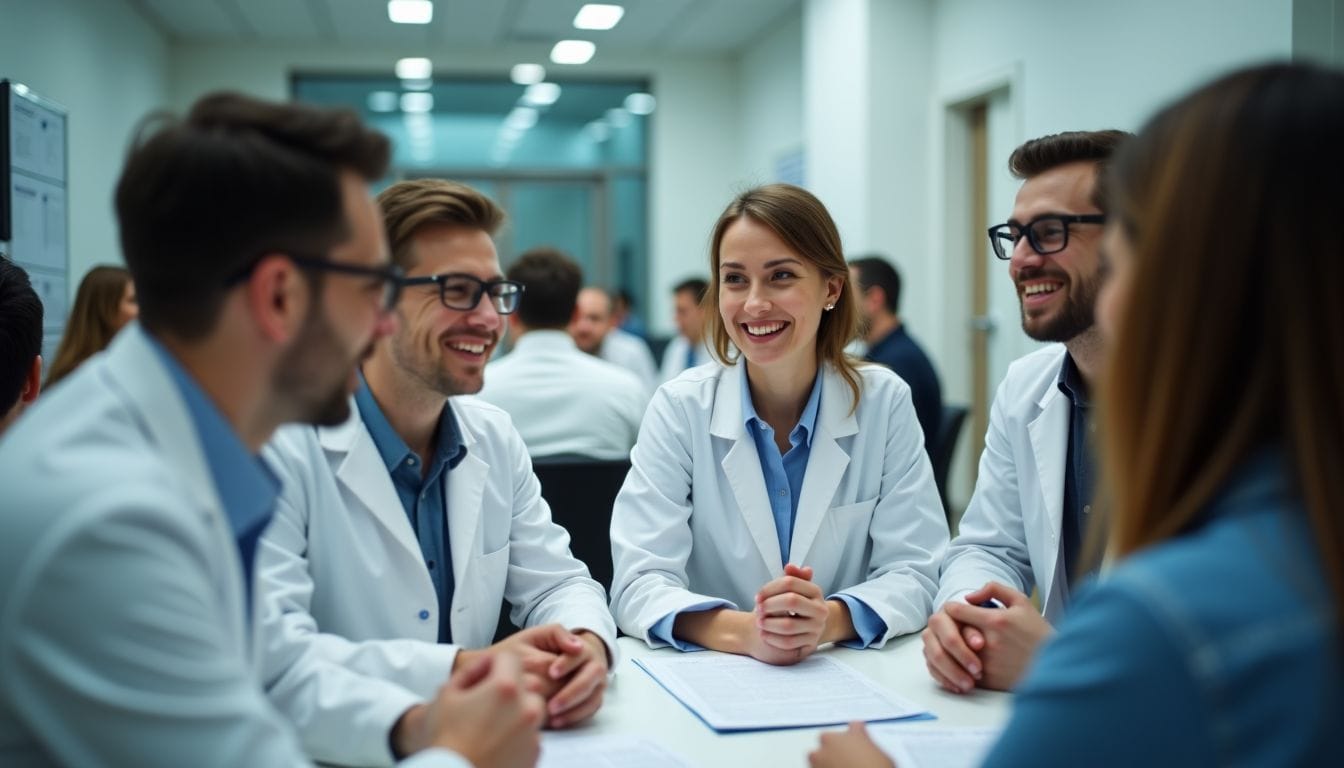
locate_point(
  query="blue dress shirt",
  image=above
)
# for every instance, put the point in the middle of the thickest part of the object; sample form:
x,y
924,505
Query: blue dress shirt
x,y
783,476
899,352
245,485
1079,470
422,495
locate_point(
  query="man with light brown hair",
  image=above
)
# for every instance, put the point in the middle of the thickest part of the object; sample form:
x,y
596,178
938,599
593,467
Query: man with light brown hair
x,y
1031,511
401,530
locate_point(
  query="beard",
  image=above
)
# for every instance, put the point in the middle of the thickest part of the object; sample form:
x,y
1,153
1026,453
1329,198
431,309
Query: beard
x,y
313,374
427,366
1076,316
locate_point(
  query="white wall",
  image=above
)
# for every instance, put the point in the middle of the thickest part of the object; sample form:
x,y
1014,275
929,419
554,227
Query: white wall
x,y
693,143
770,85
101,61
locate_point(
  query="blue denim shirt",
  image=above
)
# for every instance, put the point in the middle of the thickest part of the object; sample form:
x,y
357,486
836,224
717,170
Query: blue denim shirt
x,y
783,475
245,485
1217,647
422,495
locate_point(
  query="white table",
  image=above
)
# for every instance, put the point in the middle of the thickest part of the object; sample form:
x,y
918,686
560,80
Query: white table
x,y
635,704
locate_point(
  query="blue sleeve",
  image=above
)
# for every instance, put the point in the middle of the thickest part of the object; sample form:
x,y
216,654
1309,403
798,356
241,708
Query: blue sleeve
x,y
662,629
867,623
1111,689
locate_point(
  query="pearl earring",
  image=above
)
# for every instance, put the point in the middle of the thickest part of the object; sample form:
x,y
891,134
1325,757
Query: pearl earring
x,y
829,307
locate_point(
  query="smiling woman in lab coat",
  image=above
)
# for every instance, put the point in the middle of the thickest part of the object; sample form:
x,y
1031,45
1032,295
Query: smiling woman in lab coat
x,y
782,500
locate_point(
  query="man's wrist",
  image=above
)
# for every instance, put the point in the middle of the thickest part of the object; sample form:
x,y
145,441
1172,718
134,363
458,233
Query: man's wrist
x,y
404,739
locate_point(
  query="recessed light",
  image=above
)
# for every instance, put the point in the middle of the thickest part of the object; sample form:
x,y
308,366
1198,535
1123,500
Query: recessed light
x,y
414,69
527,74
382,101
410,11
598,130
521,118
618,117
573,52
417,101
417,85
640,103
598,16
541,94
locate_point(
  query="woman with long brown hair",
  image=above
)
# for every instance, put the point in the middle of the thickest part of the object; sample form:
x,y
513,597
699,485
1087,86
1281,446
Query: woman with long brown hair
x,y
104,303
781,498
1216,638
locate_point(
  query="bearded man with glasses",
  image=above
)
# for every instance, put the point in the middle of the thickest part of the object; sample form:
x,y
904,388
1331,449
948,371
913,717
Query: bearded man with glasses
x,y
402,530
1028,521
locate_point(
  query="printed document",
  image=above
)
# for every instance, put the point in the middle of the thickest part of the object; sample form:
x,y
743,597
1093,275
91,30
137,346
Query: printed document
x,y
921,746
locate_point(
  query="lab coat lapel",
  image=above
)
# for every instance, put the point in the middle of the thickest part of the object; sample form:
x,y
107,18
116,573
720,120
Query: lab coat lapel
x,y
360,469
1049,444
742,467
826,464
463,495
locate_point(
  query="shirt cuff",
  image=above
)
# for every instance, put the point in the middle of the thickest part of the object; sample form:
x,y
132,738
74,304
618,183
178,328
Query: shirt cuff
x,y
866,622
662,629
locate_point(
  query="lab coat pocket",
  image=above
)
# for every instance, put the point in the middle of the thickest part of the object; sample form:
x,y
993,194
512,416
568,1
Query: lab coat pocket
x,y
848,525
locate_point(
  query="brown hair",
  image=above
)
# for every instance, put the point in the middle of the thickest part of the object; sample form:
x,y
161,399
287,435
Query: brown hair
x,y
799,219
409,205
1048,152
1231,199
20,332
93,319
203,198
552,280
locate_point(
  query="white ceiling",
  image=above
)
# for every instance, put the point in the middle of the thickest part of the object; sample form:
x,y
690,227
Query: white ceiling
x,y
670,26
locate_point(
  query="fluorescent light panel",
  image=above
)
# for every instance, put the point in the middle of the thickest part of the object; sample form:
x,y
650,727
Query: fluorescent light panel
x,y
383,101
414,69
541,94
573,52
640,103
598,16
527,74
521,117
410,11
417,101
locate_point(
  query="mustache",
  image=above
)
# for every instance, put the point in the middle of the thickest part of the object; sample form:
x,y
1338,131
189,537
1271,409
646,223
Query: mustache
x,y
1035,273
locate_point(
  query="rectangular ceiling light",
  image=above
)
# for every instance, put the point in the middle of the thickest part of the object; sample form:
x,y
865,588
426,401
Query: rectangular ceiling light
x,y
417,101
573,52
598,16
410,11
414,69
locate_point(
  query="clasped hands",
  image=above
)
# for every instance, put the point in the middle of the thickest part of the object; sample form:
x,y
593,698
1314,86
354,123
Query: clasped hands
x,y
966,645
567,669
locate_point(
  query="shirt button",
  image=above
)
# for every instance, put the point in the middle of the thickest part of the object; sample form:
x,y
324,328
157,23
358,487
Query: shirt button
x,y
410,462
1087,509
424,615
783,492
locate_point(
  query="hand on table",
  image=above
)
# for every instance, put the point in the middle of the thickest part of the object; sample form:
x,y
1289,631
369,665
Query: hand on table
x,y
966,645
852,748
568,670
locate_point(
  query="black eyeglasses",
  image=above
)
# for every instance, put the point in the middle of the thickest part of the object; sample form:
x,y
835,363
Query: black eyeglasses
x,y
463,292
1046,234
389,277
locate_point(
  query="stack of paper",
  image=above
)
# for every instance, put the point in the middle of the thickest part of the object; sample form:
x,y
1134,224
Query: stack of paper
x,y
570,749
739,693
916,746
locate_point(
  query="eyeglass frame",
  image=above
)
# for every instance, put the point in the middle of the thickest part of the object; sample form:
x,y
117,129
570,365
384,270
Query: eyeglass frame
x,y
1027,230
483,287
391,276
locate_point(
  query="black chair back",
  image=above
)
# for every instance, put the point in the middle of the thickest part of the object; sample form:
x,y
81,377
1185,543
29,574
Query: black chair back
x,y
945,444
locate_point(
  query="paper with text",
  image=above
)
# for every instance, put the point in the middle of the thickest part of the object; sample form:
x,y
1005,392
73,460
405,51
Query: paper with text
x,y
921,746
738,693
592,750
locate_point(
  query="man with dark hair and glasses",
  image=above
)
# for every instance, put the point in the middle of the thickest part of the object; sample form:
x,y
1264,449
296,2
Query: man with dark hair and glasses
x,y
604,403
1029,520
401,531
133,630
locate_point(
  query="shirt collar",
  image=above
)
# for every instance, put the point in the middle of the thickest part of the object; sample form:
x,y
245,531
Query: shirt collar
x,y
392,448
245,484
807,423
1071,383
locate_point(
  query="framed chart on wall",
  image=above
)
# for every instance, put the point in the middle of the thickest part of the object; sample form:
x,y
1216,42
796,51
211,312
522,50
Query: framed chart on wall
x,y
34,190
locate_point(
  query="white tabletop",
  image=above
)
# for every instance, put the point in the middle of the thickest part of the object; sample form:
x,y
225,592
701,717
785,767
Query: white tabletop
x,y
635,704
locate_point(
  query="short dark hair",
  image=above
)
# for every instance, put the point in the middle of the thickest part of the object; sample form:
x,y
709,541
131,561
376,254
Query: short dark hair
x,y
694,286
553,281
876,271
20,331
1040,155
409,205
202,197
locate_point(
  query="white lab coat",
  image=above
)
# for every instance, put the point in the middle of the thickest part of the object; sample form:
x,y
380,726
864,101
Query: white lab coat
x,y
693,523
564,401
674,357
345,576
631,353
124,638
1010,532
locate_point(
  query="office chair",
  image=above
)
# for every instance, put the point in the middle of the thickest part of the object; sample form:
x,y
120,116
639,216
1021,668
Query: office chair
x,y
944,445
